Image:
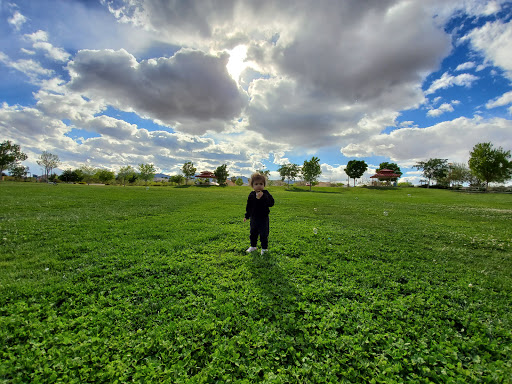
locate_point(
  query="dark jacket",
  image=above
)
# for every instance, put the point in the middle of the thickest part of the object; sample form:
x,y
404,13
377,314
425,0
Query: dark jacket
x,y
258,208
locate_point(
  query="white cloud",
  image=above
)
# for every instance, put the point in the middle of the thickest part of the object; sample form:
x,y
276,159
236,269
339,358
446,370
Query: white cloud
x,y
17,20
449,139
501,101
37,36
465,66
30,68
491,8
57,54
494,40
447,81
439,111
40,42
445,107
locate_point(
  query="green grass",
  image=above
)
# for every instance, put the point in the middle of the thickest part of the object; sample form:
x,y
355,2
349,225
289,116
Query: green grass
x,y
112,284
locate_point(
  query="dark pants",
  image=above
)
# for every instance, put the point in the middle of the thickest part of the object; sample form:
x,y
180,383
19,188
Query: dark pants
x,y
259,227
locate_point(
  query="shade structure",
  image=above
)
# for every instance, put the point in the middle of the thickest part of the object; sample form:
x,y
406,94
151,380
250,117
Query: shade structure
x,y
206,175
385,174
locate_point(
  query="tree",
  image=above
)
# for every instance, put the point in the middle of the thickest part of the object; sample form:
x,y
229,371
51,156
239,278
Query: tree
x,y
289,171
221,174
311,170
178,179
188,170
18,171
489,164
436,169
265,173
458,173
10,156
125,173
87,173
104,176
147,172
49,161
355,169
70,176
239,182
393,166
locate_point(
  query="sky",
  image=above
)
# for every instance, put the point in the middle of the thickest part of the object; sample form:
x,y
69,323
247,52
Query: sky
x,y
255,84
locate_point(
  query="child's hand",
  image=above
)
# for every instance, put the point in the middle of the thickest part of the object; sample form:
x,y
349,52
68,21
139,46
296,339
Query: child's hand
x,y
259,194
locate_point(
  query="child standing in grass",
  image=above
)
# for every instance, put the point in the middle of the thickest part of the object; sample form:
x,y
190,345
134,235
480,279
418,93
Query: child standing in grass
x,y
257,210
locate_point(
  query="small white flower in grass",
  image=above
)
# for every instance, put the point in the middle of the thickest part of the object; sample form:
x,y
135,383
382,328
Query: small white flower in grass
x,y
47,269
315,231
315,209
409,194
385,213
470,285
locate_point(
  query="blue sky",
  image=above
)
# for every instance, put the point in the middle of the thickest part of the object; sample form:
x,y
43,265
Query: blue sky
x,y
254,85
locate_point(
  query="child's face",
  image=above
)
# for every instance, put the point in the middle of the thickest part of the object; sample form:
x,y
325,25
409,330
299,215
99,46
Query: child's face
x,y
258,185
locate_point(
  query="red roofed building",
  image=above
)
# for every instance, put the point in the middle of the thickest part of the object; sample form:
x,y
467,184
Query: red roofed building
x,y
206,175
386,175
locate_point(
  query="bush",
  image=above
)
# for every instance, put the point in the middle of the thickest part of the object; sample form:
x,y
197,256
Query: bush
x,y
406,184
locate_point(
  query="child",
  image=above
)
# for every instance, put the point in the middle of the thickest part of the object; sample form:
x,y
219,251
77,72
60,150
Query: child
x,y
257,209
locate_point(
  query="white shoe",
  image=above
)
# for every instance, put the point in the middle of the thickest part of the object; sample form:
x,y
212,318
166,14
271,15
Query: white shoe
x,y
263,251
251,249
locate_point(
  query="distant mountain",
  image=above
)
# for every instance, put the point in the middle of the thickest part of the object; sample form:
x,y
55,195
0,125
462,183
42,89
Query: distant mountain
x,y
161,175
244,179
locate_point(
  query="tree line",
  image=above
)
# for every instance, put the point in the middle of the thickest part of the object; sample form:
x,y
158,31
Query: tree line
x,y
486,164
11,157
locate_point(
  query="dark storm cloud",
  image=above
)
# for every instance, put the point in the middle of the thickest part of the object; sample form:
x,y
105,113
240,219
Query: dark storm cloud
x,y
191,88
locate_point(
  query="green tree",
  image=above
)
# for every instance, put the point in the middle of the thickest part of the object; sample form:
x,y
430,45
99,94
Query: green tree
x,y
48,161
147,172
10,156
70,176
125,174
436,169
178,179
393,166
104,176
18,171
490,164
458,173
289,171
87,173
221,174
311,170
355,169
239,182
188,170
265,173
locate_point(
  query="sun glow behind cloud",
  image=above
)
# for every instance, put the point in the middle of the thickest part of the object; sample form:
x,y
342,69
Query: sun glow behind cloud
x,y
236,63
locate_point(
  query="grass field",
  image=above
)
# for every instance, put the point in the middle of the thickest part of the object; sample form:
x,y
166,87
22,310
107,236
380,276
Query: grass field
x,y
111,284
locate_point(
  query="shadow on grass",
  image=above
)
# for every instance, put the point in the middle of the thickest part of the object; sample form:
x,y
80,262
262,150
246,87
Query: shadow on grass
x,y
272,283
